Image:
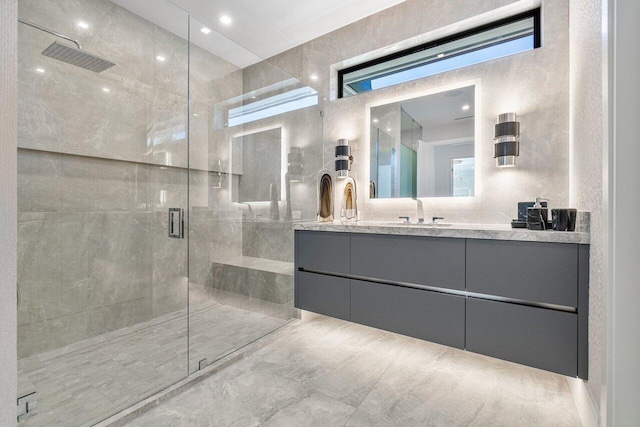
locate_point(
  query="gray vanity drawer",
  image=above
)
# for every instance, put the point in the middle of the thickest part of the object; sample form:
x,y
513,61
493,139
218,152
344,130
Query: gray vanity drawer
x,y
417,313
324,294
324,251
432,261
537,337
530,271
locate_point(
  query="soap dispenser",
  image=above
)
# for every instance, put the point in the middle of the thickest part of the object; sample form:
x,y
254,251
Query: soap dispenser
x,y
537,216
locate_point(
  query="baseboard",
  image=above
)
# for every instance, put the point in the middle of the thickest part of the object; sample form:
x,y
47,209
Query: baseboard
x,y
585,403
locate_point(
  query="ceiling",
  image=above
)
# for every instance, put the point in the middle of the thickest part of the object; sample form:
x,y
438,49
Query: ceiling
x,y
259,28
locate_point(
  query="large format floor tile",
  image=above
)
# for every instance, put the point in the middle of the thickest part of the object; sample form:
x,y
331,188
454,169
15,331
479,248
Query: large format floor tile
x,y
327,372
88,381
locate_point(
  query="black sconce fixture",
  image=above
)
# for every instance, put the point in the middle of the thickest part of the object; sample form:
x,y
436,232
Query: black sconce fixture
x,y
507,135
343,158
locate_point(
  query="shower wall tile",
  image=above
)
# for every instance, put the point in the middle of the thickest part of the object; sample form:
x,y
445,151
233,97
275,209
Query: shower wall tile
x,y
270,240
54,333
106,124
169,275
98,185
39,267
167,188
40,181
167,136
199,123
40,104
212,235
170,75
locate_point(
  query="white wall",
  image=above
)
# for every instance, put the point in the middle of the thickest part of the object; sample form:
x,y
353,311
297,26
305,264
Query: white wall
x,y
8,220
623,203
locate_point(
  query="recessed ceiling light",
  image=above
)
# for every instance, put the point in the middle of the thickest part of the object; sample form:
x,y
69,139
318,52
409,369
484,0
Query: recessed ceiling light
x,y
465,107
160,58
106,89
375,120
313,77
441,55
226,19
388,129
40,70
83,25
205,30
195,114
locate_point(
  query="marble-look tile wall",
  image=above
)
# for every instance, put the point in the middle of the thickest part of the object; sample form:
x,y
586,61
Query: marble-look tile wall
x,y
101,158
93,250
533,84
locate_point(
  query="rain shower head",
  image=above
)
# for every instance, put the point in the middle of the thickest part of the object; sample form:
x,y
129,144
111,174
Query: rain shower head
x,y
77,57
70,54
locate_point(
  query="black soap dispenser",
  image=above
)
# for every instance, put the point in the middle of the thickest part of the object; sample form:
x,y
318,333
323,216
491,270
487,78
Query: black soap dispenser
x,y
537,216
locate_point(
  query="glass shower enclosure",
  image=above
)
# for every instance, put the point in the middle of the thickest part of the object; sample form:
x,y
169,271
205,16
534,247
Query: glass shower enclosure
x,y
156,200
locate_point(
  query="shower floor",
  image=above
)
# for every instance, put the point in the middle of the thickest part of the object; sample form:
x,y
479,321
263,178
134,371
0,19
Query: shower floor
x,y
87,381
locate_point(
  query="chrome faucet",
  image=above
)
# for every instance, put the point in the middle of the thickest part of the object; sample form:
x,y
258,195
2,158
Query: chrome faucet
x,y
250,209
420,210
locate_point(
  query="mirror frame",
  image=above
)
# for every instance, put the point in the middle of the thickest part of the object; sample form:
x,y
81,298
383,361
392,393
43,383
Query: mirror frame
x,y
477,137
284,147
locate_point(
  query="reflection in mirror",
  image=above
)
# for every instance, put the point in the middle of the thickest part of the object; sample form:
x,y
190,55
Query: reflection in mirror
x,y
257,163
424,146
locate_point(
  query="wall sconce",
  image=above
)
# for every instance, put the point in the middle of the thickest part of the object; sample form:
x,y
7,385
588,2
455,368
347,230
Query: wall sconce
x,y
343,158
507,134
294,164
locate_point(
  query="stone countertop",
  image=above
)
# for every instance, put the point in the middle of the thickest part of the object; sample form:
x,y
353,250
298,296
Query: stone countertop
x,y
462,231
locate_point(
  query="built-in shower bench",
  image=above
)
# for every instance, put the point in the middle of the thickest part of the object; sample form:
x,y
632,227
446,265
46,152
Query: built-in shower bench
x,y
259,284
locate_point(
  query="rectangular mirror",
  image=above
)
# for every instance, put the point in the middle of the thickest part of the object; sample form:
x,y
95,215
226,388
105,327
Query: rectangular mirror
x,y
423,146
257,163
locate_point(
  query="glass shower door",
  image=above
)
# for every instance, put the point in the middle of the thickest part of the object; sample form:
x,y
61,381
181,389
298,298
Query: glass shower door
x,y
255,151
102,157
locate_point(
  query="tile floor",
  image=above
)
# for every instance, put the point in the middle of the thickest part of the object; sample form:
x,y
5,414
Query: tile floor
x,y
327,372
85,382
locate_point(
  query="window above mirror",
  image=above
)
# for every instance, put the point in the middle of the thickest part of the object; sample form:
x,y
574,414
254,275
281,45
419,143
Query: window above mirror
x,y
516,34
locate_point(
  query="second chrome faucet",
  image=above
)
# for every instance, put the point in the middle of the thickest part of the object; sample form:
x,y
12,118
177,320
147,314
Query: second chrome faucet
x,y
419,210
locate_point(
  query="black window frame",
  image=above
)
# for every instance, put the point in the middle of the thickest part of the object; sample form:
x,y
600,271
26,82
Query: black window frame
x,y
537,42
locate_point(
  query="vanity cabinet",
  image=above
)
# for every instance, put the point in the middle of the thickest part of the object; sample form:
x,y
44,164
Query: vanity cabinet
x,y
545,339
324,294
430,261
526,302
430,316
529,271
325,251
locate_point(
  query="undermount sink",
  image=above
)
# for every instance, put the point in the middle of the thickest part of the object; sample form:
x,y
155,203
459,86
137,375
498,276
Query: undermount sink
x,y
420,224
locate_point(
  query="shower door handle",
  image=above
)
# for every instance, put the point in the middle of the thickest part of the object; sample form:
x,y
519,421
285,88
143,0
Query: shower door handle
x,y
176,223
